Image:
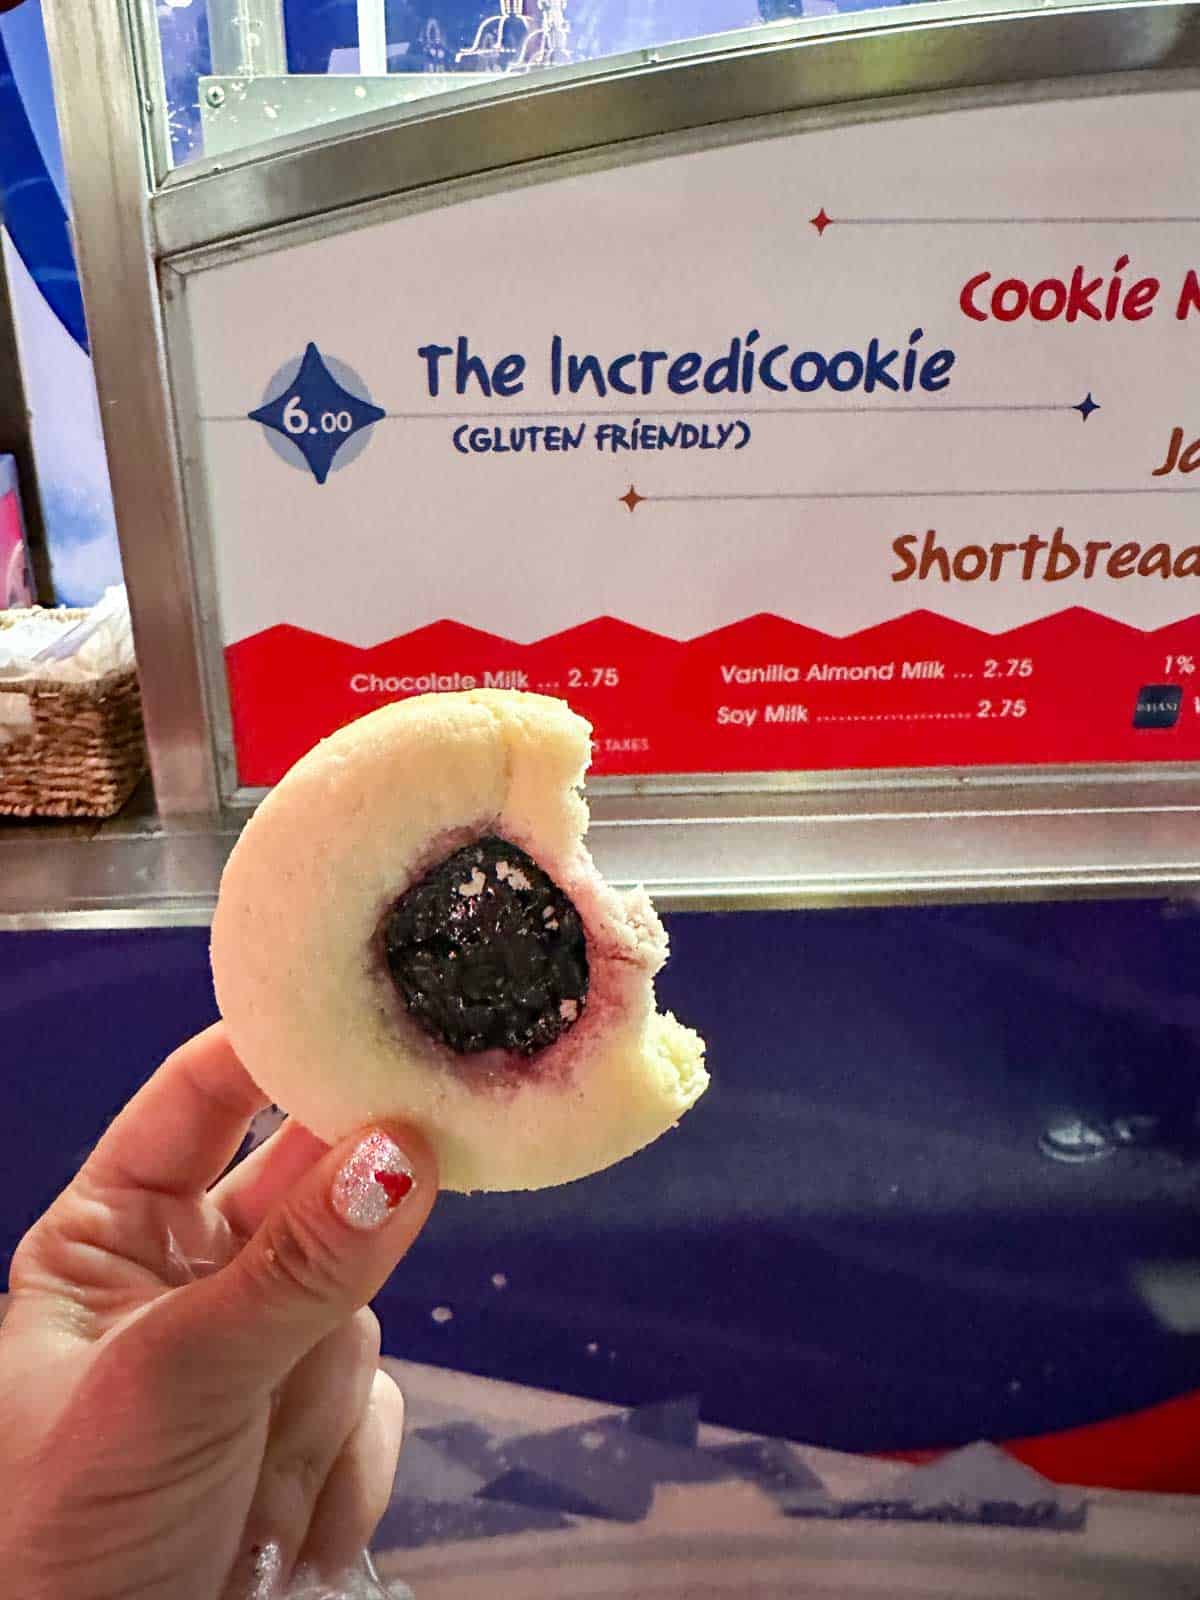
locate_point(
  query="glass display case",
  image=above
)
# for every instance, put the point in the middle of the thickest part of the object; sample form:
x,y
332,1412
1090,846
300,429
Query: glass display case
x,y
800,396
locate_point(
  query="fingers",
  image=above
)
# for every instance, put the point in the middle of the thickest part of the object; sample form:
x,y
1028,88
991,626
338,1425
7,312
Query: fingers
x,y
322,1252
245,1195
182,1128
358,1489
319,1407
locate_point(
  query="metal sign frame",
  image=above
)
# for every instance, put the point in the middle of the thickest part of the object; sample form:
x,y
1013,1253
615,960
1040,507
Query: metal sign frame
x,y
766,838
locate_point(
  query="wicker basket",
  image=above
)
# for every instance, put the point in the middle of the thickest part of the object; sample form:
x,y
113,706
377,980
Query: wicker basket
x,y
69,749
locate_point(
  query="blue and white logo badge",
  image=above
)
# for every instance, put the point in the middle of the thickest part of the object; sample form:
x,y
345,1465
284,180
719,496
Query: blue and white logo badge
x,y
317,414
1158,705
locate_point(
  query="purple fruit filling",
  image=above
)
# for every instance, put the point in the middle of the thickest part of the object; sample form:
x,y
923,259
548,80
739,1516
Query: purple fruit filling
x,y
487,952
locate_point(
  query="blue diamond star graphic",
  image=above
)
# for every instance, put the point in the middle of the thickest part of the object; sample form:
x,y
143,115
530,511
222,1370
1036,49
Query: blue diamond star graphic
x,y
1086,406
317,413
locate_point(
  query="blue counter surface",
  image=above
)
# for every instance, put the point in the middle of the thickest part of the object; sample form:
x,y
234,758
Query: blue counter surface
x,y
854,1240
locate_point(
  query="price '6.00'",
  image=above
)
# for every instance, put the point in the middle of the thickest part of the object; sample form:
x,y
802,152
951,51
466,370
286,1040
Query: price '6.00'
x,y
297,420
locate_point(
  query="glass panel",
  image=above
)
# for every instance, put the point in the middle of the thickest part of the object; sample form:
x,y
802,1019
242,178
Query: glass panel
x,y
239,72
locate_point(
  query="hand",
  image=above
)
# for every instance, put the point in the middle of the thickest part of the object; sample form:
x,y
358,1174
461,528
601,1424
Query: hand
x,y
191,1406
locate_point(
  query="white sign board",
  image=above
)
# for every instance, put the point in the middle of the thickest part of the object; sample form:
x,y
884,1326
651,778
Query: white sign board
x,y
871,446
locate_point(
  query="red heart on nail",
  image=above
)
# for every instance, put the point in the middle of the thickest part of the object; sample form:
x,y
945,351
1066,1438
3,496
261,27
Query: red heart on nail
x,y
395,1185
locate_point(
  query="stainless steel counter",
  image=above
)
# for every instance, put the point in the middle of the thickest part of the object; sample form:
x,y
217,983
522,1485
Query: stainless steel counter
x,y
136,871
956,840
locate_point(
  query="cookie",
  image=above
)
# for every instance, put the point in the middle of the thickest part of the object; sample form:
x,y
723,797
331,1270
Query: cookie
x,y
411,926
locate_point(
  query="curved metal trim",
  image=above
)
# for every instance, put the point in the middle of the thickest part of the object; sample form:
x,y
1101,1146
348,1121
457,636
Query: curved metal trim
x,y
943,49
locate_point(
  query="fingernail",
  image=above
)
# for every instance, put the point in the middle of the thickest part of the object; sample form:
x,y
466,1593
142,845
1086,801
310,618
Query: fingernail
x,y
373,1182
268,1569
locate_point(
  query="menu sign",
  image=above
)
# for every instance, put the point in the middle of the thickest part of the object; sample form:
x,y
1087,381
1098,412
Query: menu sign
x,y
863,447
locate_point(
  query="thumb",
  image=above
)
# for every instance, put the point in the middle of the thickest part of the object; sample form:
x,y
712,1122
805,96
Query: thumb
x,y
319,1255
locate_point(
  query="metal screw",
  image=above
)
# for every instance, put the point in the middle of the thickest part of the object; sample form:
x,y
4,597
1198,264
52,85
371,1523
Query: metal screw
x,y
215,95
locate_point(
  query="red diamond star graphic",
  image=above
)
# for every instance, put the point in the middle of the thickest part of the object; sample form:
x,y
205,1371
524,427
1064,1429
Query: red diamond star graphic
x,y
633,499
821,221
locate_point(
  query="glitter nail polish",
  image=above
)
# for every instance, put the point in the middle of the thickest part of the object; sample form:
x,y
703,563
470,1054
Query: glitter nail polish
x,y
372,1183
268,1569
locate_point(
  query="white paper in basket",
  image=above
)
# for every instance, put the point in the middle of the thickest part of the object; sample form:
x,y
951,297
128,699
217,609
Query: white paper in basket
x,y
99,643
